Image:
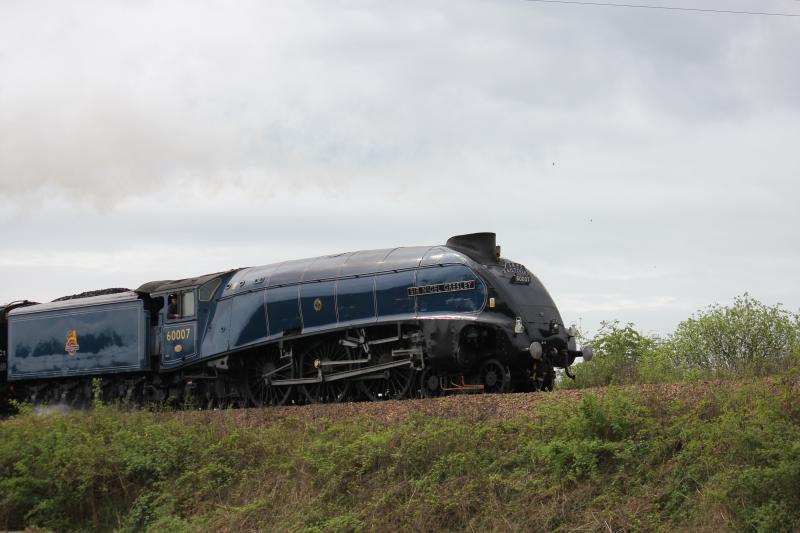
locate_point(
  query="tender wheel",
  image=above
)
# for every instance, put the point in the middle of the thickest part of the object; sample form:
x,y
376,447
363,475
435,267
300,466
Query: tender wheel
x,y
330,391
495,376
261,371
392,384
430,385
76,395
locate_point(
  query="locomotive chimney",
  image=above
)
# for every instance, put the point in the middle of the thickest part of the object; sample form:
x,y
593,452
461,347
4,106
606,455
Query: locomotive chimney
x,y
482,247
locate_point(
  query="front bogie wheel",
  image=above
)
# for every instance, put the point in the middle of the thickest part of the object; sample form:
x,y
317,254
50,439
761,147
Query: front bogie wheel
x,y
430,384
495,376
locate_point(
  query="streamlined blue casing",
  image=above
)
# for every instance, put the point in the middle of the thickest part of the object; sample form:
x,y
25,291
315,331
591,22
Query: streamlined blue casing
x,y
251,306
262,304
101,334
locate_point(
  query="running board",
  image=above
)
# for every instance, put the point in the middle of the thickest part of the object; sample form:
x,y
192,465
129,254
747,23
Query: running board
x,y
338,376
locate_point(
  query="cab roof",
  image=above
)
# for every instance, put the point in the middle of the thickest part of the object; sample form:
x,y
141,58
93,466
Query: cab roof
x,y
153,287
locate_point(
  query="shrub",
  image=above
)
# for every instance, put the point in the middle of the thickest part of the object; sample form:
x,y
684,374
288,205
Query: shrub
x,y
622,355
747,338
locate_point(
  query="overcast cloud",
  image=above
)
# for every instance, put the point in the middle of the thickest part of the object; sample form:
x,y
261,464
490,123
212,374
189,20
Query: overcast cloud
x,y
643,164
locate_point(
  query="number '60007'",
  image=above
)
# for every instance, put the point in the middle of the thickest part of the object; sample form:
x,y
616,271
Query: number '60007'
x,y
178,334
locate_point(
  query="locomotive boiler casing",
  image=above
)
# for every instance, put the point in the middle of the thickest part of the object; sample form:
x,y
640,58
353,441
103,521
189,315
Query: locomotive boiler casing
x,y
296,299
439,289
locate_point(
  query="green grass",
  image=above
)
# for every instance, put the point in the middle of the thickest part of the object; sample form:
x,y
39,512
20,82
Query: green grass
x,y
721,456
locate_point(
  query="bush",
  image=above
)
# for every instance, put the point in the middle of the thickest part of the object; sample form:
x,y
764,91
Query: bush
x,y
747,338
622,355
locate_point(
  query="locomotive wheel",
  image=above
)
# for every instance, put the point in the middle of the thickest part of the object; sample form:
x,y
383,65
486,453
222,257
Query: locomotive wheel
x,y
330,391
430,385
495,376
393,384
74,394
260,373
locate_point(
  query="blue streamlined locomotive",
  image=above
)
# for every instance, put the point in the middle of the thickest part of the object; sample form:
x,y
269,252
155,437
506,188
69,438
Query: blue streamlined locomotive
x,y
376,324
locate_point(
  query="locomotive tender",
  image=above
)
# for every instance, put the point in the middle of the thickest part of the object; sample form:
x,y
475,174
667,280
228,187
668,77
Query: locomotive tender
x,y
376,324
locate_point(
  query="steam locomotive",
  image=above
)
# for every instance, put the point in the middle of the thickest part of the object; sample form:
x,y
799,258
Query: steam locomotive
x,y
375,324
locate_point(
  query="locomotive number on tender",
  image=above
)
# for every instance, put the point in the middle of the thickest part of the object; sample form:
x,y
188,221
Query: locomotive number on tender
x,y
179,334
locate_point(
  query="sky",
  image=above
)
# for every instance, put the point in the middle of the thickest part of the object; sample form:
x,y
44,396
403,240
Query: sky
x,y
644,164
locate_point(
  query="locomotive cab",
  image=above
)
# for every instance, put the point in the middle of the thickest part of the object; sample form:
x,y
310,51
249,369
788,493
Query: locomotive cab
x,y
179,327
180,307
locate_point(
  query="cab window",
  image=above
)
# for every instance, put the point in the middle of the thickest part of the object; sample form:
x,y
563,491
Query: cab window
x,y
180,305
187,308
207,291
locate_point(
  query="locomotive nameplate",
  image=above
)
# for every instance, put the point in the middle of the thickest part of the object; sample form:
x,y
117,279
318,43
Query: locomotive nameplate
x,y
453,286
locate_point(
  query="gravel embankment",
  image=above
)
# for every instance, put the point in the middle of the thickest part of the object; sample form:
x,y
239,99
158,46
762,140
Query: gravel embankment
x,y
468,406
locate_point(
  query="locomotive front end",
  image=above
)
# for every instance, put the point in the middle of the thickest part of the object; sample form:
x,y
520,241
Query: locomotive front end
x,y
539,329
537,340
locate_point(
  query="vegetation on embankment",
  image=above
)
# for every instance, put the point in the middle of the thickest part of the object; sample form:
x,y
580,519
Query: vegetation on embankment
x,y
721,455
746,339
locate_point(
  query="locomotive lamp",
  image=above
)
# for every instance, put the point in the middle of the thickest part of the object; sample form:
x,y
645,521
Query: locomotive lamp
x,y
536,350
572,342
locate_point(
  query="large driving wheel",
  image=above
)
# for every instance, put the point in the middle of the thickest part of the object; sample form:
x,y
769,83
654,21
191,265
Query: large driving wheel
x,y
310,364
391,384
495,376
261,372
